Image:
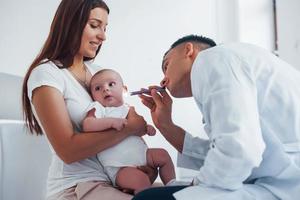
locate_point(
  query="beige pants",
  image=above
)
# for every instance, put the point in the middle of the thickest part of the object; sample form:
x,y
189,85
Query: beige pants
x,y
92,190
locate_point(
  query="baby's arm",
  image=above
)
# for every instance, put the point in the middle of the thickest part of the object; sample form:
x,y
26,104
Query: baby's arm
x,y
91,123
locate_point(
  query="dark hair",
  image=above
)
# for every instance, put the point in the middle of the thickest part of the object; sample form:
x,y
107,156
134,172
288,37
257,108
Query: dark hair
x,y
61,46
200,40
196,39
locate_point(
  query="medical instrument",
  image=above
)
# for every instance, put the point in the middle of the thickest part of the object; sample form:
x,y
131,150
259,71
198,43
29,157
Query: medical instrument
x,y
147,91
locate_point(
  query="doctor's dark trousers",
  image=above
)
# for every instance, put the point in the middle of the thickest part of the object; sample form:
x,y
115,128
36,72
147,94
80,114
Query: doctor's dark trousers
x,y
158,193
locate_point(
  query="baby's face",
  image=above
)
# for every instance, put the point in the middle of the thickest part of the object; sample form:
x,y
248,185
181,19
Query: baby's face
x,y
107,88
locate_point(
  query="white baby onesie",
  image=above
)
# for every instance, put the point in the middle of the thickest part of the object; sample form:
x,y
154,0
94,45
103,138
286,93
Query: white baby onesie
x,y
130,152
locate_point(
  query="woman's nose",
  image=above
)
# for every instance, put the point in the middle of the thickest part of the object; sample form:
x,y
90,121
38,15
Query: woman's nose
x,y
101,35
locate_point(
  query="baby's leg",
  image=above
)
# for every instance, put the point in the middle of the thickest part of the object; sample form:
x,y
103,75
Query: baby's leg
x,y
133,179
161,158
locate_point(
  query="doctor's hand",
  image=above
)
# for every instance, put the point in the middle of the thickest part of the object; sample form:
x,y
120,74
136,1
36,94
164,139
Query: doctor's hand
x,y
160,105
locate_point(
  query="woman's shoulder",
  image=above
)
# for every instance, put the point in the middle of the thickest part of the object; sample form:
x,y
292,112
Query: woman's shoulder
x,y
46,74
47,71
47,67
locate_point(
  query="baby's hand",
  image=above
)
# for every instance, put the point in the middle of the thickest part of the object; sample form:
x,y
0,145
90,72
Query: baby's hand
x,y
118,124
150,130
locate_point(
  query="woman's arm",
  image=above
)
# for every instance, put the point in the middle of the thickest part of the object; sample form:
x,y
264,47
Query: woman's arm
x,y
91,123
68,145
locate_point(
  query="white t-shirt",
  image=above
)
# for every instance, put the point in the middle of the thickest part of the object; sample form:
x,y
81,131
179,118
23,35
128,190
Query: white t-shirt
x,y
61,175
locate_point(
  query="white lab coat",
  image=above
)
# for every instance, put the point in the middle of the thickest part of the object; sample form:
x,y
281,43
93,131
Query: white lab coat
x,y
250,101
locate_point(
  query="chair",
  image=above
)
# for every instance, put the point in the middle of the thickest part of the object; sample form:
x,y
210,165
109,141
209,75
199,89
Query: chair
x,y
24,158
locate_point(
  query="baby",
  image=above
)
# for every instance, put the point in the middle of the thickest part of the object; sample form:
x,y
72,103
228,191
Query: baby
x,y
120,161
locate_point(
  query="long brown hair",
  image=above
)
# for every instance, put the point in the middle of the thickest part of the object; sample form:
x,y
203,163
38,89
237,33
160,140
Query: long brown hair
x,y
61,46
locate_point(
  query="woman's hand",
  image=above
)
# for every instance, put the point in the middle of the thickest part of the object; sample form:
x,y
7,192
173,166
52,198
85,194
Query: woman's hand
x,y
136,124
118,123
151,172
151,130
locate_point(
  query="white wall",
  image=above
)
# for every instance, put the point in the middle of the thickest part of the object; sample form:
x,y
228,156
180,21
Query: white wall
x,y
226,20
24,28
248,21
288,18
256,23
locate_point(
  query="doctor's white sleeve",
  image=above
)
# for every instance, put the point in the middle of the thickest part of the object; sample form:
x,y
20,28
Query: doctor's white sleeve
x,y
228,96
193,153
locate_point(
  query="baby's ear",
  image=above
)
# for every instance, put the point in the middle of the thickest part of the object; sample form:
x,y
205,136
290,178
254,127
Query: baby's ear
x,y
125,88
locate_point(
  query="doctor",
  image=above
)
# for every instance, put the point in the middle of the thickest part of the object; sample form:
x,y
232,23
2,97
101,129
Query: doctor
x,y
250,102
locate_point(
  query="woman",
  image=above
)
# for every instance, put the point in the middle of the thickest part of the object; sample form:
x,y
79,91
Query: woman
x,y
55,99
